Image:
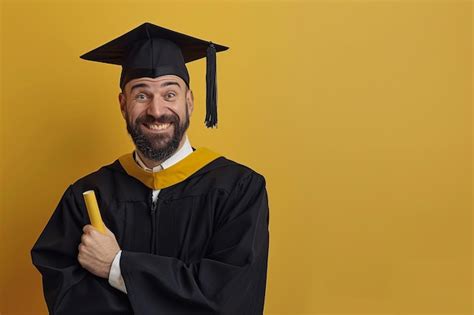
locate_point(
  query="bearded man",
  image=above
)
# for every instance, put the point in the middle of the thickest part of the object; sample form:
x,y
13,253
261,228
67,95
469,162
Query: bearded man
x,y
186,228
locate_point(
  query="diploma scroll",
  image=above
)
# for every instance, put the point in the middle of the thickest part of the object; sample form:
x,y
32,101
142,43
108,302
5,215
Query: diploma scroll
x,y
93,210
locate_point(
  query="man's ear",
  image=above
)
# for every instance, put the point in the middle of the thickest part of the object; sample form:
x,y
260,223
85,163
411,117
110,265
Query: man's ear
x,y
190,100
123,103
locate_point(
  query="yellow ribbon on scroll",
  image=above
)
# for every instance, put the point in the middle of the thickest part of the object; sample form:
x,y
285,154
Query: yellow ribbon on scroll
x,y
93,211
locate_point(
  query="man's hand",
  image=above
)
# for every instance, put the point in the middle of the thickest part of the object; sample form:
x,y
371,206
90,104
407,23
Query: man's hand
x,y
97,251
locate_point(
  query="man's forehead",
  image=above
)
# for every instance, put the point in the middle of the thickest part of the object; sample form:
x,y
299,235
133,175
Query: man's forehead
x,y
156,82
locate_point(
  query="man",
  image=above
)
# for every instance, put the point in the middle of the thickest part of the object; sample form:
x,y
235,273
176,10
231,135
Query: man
x,y
186,228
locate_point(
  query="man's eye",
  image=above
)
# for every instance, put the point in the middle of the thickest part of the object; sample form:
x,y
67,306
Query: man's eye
x,y
141,97
170,95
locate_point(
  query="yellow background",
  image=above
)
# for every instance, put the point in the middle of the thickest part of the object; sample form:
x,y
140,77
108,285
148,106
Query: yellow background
x,y
358,113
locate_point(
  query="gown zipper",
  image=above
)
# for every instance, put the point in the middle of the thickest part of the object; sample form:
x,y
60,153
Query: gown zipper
x,y
154,209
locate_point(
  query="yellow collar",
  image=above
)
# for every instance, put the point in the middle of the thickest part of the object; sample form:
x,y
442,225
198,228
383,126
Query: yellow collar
x,y
172,175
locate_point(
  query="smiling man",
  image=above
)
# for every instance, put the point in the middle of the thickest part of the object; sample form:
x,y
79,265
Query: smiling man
x,y
157,138
186,228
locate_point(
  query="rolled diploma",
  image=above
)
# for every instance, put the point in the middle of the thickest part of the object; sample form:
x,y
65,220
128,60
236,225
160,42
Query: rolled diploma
x,y
93,210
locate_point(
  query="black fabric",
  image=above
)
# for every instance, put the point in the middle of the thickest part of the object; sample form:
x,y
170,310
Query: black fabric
x,y
117,50
211,235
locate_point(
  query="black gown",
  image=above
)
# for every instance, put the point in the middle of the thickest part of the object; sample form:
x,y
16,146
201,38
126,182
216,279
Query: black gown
x,y
202,249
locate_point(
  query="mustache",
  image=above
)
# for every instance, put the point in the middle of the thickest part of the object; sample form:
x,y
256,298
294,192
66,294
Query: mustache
x,y
148,119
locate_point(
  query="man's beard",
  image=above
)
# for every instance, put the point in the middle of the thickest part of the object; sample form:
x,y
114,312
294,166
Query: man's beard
x,y
159,146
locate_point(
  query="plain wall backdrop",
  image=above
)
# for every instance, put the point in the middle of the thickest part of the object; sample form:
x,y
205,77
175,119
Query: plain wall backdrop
x,y
358,113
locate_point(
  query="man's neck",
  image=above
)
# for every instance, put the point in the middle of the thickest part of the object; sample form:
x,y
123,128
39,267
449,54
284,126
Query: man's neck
x,y
152,163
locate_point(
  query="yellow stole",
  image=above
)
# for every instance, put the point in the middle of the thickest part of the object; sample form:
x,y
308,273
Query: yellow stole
x,y
171,175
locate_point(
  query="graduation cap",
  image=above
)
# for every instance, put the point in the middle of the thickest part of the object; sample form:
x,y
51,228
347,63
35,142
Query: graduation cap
x,y
152,51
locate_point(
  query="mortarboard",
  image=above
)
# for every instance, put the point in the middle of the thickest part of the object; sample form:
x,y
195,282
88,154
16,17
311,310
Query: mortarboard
x,y
152,51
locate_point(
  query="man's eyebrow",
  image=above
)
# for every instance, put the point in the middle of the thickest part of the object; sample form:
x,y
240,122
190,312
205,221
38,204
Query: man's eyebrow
x,y
164,84
139,85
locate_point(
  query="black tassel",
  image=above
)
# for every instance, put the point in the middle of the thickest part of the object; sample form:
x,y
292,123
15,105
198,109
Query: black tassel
x,y
211,87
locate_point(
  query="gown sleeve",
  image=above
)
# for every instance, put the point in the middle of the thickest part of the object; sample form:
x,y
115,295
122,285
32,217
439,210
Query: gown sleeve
x,y
68,288
231,276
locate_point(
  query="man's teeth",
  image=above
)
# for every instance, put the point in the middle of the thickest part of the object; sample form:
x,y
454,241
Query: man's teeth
x,y
158,126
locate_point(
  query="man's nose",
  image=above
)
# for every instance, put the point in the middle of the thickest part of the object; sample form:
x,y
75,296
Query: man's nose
x,y
156,107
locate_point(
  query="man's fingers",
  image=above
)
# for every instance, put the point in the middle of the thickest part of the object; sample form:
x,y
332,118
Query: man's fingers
x,y
83,238
83,248
87,228
109,231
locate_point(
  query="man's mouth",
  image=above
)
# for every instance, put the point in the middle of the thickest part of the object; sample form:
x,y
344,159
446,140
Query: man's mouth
x,y
157,126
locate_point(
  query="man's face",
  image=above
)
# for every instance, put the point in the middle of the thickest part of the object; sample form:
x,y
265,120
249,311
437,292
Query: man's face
x,y
157,114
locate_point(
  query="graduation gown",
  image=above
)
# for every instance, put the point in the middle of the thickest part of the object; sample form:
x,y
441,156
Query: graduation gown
x,y
202,248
